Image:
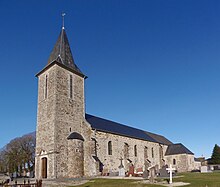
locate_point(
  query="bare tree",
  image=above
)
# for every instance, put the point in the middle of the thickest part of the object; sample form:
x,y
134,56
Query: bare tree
x,y
18,155
3,166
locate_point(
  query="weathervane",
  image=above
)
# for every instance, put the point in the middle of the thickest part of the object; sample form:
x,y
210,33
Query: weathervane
x,y
63,14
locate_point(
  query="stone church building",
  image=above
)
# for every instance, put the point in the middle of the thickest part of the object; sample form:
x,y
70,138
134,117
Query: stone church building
x,y
71,143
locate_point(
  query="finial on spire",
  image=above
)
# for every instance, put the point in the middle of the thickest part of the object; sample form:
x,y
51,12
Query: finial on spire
x,y
63,14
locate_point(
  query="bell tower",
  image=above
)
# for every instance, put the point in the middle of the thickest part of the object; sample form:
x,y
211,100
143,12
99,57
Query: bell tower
x,y
60,114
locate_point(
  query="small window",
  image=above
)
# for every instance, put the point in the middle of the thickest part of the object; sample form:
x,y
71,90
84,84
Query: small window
x,y
94,147
71,86
174,161
45,96
145,153
152,151
135,150
109,148
126,150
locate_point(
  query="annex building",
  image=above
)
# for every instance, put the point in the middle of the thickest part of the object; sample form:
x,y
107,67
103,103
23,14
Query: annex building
x,y
71,143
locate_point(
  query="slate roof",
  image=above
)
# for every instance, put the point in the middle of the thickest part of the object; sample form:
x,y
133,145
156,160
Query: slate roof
x,y
62,52
159,138
197,160
108,126
62,55
179,148
75,135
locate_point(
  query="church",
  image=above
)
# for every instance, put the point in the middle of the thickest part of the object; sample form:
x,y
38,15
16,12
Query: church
x,y
71,143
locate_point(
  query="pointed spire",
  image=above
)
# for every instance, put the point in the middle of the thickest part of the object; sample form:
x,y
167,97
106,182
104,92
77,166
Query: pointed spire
x,y
61,52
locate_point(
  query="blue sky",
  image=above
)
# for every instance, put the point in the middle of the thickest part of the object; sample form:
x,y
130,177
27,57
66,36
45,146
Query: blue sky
x,y
152,64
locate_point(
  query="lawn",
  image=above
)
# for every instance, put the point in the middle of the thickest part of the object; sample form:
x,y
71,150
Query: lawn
x,y
201,179
195,180
116,183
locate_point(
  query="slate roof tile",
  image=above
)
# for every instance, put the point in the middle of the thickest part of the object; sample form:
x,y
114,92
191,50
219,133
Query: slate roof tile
x,y
62,54
104,125
75,135
179,148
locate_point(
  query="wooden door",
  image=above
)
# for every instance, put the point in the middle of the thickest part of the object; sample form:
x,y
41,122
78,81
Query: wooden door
x,y
44,168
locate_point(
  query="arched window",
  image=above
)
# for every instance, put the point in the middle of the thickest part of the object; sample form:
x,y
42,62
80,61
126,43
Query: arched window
x,y
109,148
44,167
126,150
152,151
145,153
174,161
135,150
94,147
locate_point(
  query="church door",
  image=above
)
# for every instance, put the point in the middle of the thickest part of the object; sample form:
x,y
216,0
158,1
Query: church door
x,y
44,168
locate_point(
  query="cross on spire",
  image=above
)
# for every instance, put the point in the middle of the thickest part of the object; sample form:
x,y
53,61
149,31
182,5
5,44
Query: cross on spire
x,y
63,14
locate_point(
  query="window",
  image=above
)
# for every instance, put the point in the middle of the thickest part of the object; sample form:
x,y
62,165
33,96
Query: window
x,y
145,153
174,161
109,148
147,162
94,147
71,86
126,150
44,168
161,152
152,151
45,96
135,150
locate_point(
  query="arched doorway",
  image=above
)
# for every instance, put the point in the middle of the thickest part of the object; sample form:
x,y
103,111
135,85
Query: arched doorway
x,y
44,167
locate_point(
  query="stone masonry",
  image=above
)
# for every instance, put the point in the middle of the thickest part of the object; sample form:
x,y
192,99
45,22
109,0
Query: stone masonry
x,y
111,162
67,146
58,116
184,162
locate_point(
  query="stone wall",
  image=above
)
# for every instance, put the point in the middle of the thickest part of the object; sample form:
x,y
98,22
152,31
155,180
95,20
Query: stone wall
x,y
197,165
112,162
61,112
75,158
59,115
45,139
184,162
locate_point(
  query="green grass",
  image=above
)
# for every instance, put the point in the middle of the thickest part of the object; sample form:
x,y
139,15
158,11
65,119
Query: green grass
x,y
195,180
200,179
116,183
